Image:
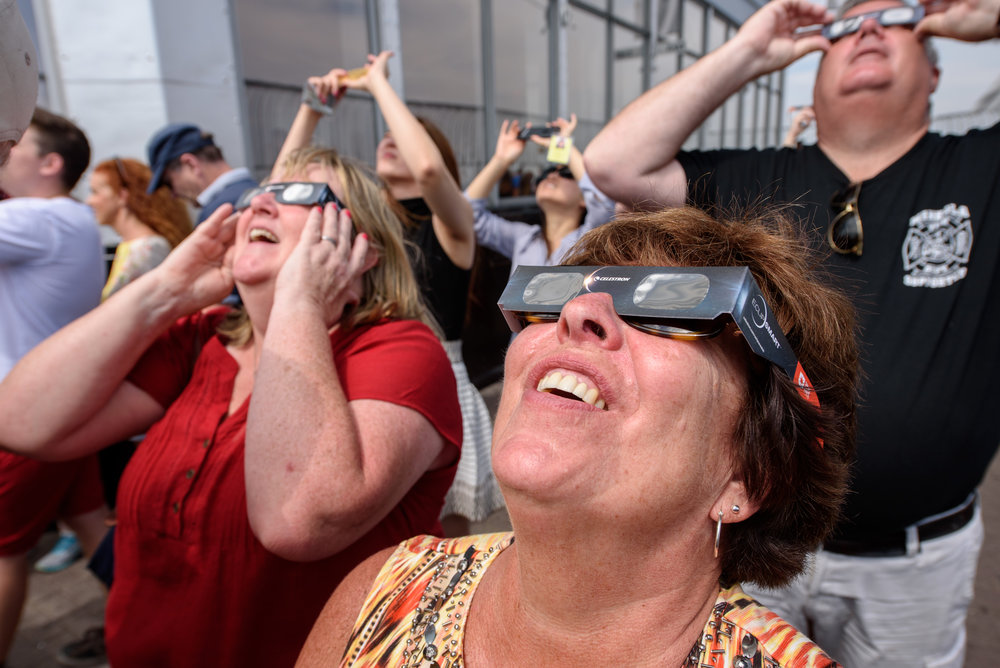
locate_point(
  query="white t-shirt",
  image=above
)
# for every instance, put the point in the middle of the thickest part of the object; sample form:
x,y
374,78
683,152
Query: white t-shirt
x,y
51,271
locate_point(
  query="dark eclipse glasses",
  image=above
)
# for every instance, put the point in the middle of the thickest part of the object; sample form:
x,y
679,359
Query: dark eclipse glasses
x,y
902,15
687,303
561,170
305,193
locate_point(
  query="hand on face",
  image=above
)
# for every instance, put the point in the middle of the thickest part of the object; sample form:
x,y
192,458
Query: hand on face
x,y
200,268
325,265
771,33
966,20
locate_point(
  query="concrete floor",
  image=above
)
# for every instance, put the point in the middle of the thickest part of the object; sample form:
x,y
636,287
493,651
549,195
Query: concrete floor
x,y
63,605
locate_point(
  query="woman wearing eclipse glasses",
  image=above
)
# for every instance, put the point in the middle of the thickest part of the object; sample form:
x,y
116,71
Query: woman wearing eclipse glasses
x,y
659,440
571,204
285,441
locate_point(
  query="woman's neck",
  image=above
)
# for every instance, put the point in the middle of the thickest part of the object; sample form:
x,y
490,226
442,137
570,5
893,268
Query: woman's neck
x,y
572,593
129,227
559,223
404,189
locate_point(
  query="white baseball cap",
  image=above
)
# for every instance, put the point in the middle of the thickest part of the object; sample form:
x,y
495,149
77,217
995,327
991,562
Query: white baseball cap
x,y
18,73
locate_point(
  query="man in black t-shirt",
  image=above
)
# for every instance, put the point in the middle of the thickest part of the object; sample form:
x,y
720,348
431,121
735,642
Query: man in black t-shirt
x,y
913,218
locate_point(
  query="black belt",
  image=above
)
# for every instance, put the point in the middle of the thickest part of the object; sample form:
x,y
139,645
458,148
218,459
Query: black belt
x,y
893,543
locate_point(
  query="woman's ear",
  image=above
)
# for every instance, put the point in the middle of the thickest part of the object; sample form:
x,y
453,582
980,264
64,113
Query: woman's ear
x,y
734,503
371,258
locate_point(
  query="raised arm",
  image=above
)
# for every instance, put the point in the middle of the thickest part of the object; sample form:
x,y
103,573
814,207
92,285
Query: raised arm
x,y
325,92
321,471
68,396
509,149
452,215
633,159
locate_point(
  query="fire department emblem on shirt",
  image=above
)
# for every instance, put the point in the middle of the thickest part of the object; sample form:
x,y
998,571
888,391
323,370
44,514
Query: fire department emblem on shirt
x,y
937,246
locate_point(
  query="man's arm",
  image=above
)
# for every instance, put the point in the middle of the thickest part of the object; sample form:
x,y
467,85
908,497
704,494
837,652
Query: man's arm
x,y
69,395
633,159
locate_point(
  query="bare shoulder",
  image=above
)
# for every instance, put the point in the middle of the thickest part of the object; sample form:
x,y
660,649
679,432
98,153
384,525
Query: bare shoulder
x,y
328,638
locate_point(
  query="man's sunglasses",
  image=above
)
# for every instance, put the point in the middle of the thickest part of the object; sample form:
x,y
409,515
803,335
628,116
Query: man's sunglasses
x,y
304,193
903,15
562,171
686,303
845,234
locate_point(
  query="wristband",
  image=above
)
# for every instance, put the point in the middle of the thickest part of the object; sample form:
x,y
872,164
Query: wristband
x,y
311,100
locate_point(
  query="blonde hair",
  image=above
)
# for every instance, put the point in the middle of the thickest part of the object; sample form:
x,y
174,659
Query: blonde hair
x,y
390,289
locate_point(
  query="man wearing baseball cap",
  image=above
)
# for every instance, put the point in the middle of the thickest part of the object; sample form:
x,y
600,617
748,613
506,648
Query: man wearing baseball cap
x,y
186,160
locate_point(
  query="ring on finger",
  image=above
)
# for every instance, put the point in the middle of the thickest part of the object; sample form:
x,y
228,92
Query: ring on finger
x,y
330,239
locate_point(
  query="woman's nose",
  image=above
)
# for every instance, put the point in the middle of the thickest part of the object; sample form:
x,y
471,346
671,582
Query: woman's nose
x,y
591,319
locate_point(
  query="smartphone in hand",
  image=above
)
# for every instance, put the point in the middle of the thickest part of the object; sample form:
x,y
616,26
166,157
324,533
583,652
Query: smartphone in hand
x,y
543,131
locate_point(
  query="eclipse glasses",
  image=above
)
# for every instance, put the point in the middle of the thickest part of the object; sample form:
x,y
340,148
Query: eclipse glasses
x,y
686,303
902,15
304,193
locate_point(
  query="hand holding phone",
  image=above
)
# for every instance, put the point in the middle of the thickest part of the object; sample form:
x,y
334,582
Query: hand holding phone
x,y
543,131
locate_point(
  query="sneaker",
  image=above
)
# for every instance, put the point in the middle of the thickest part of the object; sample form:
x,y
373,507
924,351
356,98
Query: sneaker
x,y
66,551
88,651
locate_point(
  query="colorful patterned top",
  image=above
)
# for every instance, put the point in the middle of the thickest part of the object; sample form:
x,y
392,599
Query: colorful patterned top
x,y
415,614
132,260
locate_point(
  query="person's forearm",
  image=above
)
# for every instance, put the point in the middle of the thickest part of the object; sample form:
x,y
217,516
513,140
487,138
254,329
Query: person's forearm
x,y
628,155
415,146
488,176
303,452
299,136
452,214
68,378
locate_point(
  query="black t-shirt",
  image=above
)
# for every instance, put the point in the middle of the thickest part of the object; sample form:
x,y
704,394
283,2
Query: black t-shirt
x,y
927,289
444,285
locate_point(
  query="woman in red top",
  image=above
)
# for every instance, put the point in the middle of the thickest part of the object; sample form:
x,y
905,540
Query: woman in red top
x,y
285,441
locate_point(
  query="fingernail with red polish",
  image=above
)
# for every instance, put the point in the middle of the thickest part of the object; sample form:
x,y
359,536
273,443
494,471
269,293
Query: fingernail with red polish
x,y
348,212
364,236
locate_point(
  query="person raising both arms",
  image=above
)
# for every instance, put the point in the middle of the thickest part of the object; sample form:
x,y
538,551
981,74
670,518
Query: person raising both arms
x,y
570,202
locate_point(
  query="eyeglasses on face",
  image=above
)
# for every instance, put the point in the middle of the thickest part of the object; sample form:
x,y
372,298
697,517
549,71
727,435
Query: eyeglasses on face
x,y
902,15
845,234
303,193
687,303
564,172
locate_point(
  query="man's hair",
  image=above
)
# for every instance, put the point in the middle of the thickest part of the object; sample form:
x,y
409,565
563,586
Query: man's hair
x,y
161,211
390,289
792,458
932,52
210,153
59,135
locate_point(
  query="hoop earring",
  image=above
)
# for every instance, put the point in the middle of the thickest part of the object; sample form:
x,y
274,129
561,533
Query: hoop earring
x,y
718,534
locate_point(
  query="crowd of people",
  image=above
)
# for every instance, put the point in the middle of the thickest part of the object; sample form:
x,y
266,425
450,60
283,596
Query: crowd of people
x,y
734,428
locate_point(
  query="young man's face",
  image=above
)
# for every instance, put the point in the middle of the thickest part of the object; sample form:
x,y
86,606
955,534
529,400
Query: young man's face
x,y
24,166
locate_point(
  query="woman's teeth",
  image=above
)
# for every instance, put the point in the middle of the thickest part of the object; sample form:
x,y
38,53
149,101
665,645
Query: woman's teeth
x,y
258,234
568,385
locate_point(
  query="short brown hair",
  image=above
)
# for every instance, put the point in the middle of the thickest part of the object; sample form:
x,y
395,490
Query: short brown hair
x,y
798,483
56,134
